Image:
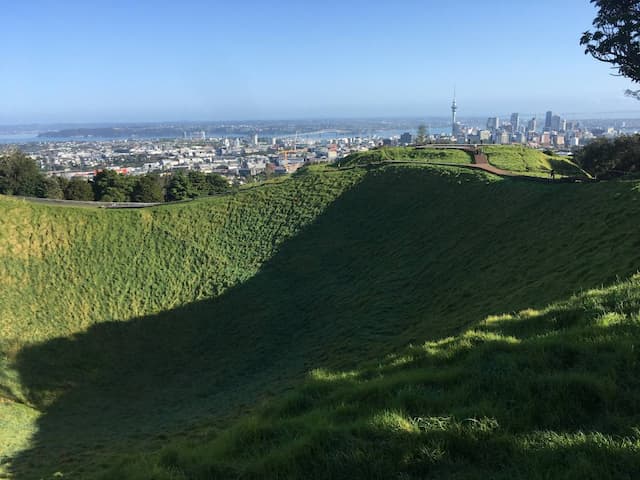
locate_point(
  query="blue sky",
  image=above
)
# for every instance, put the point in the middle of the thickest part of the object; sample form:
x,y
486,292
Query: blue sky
x,y
143,60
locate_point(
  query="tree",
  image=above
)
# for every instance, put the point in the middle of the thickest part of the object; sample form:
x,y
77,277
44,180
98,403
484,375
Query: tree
x,y
147,189
20,175
49,188
78,189
606,158
63,183
198,181
111,186
616,38
217,184
179,188
421,137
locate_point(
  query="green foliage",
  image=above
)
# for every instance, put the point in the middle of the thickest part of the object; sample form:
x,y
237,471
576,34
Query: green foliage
x,y
611,158
111,186
20,175
78,189
179,188
615,36
147,189
49,188
132,331
203,184
195,184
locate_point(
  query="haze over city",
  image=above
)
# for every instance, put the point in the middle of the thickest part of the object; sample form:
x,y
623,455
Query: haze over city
x,y
197,60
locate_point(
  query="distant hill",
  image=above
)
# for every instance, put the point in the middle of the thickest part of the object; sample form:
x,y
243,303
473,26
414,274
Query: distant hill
x,y
514,158
432,305
118,132
529,161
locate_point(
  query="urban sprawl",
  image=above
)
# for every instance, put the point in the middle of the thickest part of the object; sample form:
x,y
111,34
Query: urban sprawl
x,y
244,157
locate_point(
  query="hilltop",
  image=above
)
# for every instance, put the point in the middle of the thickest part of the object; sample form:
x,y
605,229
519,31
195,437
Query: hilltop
x,y
514,160
163,328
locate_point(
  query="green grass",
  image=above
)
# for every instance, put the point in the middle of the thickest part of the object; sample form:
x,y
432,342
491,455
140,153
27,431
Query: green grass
x,y
407,154
550,393
522,159
155,329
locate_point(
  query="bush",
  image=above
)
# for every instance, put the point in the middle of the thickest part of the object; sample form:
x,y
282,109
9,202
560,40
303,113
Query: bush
x,y
78,189
606,158
20,175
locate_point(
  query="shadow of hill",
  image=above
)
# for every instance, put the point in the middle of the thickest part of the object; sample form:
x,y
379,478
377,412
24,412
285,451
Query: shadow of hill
x,y
556,398
406,254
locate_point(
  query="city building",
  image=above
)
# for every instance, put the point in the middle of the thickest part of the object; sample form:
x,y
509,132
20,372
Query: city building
x,y
515,122
493,123
548,120
502,138
406,138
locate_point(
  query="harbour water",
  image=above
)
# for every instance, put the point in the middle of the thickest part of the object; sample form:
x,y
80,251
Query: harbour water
x,y
26,138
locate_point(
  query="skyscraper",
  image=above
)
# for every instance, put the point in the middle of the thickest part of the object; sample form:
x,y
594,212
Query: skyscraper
x,y
515,122
548,120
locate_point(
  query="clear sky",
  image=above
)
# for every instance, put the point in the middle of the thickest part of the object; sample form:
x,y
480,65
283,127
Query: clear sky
x,y
155,60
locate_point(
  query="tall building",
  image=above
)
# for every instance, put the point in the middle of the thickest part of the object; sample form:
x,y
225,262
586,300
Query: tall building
x,y
556,123
532,126
548,120
406,138
515,122
501,138
493,123
454,110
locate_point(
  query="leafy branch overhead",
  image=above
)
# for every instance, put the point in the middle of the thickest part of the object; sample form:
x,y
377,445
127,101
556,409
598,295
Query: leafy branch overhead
x,y
616,37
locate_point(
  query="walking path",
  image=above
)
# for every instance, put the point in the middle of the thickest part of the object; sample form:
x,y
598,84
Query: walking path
x,y
88,203
481,162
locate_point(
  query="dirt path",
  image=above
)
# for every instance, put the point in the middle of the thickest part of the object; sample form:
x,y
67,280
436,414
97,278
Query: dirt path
x,y
481,162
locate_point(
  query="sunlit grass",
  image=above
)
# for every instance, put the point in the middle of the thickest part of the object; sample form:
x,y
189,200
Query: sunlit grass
x,y
553,401
522,159
417,297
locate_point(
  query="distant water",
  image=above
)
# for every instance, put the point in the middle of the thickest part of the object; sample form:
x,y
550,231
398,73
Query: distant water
x,y
24,138
8,139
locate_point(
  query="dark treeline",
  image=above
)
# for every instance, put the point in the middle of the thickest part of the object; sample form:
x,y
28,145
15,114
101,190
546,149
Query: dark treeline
x,y
20,175
605,158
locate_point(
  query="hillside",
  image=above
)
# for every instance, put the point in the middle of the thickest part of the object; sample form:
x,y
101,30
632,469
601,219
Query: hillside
x,y
517,159
407,154
528,161
137,330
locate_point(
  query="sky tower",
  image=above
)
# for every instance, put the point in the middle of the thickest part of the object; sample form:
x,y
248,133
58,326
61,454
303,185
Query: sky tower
x,y
454,109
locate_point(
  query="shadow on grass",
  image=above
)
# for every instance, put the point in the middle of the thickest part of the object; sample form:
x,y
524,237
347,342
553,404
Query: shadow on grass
x,y
378,269
560,402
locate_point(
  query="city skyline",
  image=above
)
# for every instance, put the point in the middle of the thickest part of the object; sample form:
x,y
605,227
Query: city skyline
x,y
156,61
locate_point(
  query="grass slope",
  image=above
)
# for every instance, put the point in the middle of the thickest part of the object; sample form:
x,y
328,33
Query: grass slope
x,y
405,154
522,159
550,393
123,329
